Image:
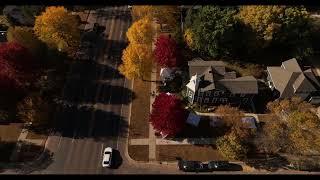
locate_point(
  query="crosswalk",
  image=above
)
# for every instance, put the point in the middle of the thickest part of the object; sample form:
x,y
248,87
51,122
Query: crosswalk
x,y
84,131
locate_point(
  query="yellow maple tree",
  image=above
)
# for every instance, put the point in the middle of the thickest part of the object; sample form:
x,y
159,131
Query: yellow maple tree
x,y
137,61
139,12
58,28
141,31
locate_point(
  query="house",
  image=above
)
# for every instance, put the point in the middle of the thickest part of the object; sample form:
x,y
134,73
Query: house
x,y
211,84
290,80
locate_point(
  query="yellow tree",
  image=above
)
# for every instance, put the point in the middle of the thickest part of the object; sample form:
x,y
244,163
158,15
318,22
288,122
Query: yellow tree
x,y
166,15
141,31
26,37
188,38
139,12
136,61
58,28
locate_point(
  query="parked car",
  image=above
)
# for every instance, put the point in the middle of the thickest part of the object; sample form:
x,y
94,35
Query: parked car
x,y
107,157
223,166
192,166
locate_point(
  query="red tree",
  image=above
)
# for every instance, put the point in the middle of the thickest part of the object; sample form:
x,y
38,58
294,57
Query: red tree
x,y
166,52
17,55
8,76
168,115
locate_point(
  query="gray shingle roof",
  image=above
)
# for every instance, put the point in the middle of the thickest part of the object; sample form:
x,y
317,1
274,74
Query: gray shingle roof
x,y
289,79
214,76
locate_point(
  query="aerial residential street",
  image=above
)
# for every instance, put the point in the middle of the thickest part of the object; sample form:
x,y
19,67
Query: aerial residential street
x,y
159,89
83,133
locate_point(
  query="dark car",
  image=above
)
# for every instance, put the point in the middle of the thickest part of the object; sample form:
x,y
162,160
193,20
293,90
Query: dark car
x,y
192,166
223,166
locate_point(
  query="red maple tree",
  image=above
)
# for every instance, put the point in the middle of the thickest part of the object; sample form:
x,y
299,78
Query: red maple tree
x,y
8,76
168,116
166,52
17,56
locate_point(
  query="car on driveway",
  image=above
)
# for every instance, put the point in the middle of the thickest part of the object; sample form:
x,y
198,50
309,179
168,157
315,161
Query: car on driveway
x,y
223,166
192,166
107,157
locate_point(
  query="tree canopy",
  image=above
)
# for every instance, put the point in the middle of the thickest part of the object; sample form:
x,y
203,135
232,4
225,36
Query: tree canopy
x,y
26,37
214,30
231,147
166,52
62,35
284,26
141,31
136,61
167,116
139,12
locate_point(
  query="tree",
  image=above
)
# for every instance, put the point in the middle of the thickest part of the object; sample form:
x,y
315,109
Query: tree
x,y
26,37
296,134
136,61
188,38
167,116
287,27
215,31
141,32
274,137
9,79
139,12
166,52
288,105
17,56
58,29
231,147
231,117
33,109
166,15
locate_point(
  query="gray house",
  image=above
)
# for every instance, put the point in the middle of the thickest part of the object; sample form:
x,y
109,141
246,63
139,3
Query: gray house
x,y
290,80
211,84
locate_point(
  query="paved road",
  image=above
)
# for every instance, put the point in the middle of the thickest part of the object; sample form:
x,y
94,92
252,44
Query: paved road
x,y
82,132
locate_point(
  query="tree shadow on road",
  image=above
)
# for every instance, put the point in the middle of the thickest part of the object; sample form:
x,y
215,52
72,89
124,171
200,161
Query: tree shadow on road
x,y
31,158
86,122
272,164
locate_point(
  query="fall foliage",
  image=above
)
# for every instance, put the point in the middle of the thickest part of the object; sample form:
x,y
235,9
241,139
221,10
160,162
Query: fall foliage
x,y
8,76
139,12
141,31
166,52
137,61
58,28
168,116
33,109
231,147
26,37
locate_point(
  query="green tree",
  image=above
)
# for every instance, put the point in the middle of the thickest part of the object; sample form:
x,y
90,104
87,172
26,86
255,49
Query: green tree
x,y
215,31
26,37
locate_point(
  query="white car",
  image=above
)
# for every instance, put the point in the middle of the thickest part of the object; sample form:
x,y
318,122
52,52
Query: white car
x,y
107,157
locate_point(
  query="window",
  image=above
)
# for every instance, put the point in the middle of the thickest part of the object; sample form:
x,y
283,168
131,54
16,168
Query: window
x,y
223,100
208,93
216,93
190,94
242,95
245,100
199,99
214,100
200,93
232,95
206,100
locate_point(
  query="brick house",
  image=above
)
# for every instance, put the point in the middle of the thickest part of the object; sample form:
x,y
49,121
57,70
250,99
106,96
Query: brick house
x,y
211,84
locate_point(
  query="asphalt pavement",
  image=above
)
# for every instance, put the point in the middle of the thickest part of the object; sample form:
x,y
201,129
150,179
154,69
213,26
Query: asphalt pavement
x,y
97,94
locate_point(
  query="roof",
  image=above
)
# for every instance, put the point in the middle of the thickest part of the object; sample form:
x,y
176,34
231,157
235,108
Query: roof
x,y
213,75
291,65
289,79
241,85
193,83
